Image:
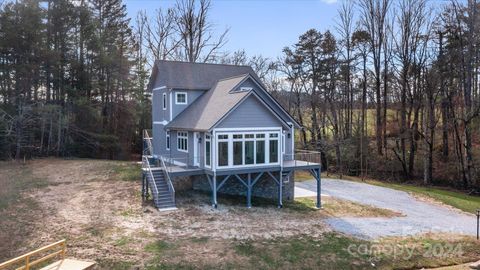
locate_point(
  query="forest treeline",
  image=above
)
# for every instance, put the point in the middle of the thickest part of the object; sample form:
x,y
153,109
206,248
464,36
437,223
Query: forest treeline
x,y
390,91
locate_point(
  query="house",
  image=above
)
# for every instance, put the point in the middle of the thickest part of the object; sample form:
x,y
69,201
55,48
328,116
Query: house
x,y
216,128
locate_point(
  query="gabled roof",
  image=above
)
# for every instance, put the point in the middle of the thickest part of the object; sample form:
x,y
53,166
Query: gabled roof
x,y
209,108
185,75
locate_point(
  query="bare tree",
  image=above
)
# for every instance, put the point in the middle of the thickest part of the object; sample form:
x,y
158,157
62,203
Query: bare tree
x,y
373,17
198,43
159,33
345,29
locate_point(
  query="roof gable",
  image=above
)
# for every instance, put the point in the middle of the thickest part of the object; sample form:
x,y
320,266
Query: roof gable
x,y
251,112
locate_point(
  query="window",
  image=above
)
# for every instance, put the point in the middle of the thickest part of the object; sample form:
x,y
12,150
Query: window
x,y
181,98
167,141
248,149
273,150
182,141
260,158
164,101
208,150
222,150
237,149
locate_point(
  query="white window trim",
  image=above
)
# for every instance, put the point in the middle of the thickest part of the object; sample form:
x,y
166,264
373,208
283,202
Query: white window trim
x,y
168,141
164,101
208,138
182,137
244,131
176,98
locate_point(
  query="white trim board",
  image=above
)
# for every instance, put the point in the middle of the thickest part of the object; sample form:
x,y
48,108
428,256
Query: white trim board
x,y
159,88
164,122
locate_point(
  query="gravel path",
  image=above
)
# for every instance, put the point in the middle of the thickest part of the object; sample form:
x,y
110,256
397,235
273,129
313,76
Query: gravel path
x,y
419,216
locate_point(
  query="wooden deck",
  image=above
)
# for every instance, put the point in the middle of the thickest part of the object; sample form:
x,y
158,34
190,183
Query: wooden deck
x,y
290,165
299,165
69,264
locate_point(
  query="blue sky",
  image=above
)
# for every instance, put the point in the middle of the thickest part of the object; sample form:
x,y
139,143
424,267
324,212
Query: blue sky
x,y
259,26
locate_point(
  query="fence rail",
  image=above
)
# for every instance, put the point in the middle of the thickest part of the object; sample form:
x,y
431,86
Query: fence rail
x,y
27,258
303,157
147,141
153,186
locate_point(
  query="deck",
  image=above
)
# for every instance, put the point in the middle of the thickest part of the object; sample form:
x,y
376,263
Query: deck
x,y
290,165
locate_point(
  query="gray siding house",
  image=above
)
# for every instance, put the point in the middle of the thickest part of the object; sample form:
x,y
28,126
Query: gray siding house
x,y
216,128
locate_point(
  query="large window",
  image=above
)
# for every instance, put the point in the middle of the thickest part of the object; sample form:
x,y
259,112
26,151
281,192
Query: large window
x,y
182,141
248,149
273,141
222,150
208,150
181,98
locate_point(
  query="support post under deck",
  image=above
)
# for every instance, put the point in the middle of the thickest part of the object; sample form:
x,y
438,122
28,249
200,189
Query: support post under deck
x,y
280,190
249,191
143,185
319,187
214,190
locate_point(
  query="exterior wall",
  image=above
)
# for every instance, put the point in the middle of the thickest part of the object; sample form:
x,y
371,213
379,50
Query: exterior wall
x,y
266,187
192,95
160,118
251,113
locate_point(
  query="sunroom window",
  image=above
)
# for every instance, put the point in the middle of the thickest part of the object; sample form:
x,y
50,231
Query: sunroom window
x,y
248,149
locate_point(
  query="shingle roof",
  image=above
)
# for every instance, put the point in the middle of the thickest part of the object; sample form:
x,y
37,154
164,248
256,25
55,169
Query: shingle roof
x,y
185,75
209,108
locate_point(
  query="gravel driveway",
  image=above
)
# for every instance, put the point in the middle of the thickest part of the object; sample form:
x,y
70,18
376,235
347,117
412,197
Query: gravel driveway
x,y
419,216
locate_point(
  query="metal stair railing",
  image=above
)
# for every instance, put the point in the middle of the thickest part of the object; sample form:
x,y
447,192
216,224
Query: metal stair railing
x,y
148,140
153,185
169,181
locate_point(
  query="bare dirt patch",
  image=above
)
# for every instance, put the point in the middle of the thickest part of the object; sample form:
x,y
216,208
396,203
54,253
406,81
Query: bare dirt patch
x,y
104,218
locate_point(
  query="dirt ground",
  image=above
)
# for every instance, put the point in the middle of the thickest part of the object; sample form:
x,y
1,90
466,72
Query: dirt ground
x,y
85,203
97,206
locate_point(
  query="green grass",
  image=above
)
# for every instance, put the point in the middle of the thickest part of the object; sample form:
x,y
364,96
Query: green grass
x,y
126,171
301,253
158,247
17,178
462,201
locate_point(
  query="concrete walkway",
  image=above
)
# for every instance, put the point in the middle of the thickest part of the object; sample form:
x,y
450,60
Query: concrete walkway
x,y
420,217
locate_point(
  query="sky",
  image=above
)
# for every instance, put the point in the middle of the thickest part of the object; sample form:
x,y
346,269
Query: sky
x,y
259,26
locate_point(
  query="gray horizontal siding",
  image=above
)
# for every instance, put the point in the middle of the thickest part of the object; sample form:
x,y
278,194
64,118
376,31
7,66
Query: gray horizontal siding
x,y
192,95
250,113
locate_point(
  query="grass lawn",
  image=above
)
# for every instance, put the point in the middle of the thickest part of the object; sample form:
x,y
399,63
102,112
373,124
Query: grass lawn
x,y
456,199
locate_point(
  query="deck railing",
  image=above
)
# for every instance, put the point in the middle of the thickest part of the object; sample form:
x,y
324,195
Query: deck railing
x,y
180,162
169,181
307,157
28,263
153,186
147,141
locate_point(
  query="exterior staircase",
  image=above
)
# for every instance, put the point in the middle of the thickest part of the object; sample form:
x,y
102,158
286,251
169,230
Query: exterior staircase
x,y
164,199
161,188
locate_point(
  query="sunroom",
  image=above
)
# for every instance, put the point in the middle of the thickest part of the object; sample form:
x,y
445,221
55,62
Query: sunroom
x,y
246,148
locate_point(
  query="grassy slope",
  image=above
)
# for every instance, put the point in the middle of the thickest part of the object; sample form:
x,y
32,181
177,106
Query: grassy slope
x,y
456,199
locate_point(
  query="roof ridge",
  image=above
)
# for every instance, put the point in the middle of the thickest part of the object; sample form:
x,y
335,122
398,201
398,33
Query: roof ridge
x,y
198,63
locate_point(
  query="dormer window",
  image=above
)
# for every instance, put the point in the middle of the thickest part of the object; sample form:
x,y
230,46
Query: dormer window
x,y
181,98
